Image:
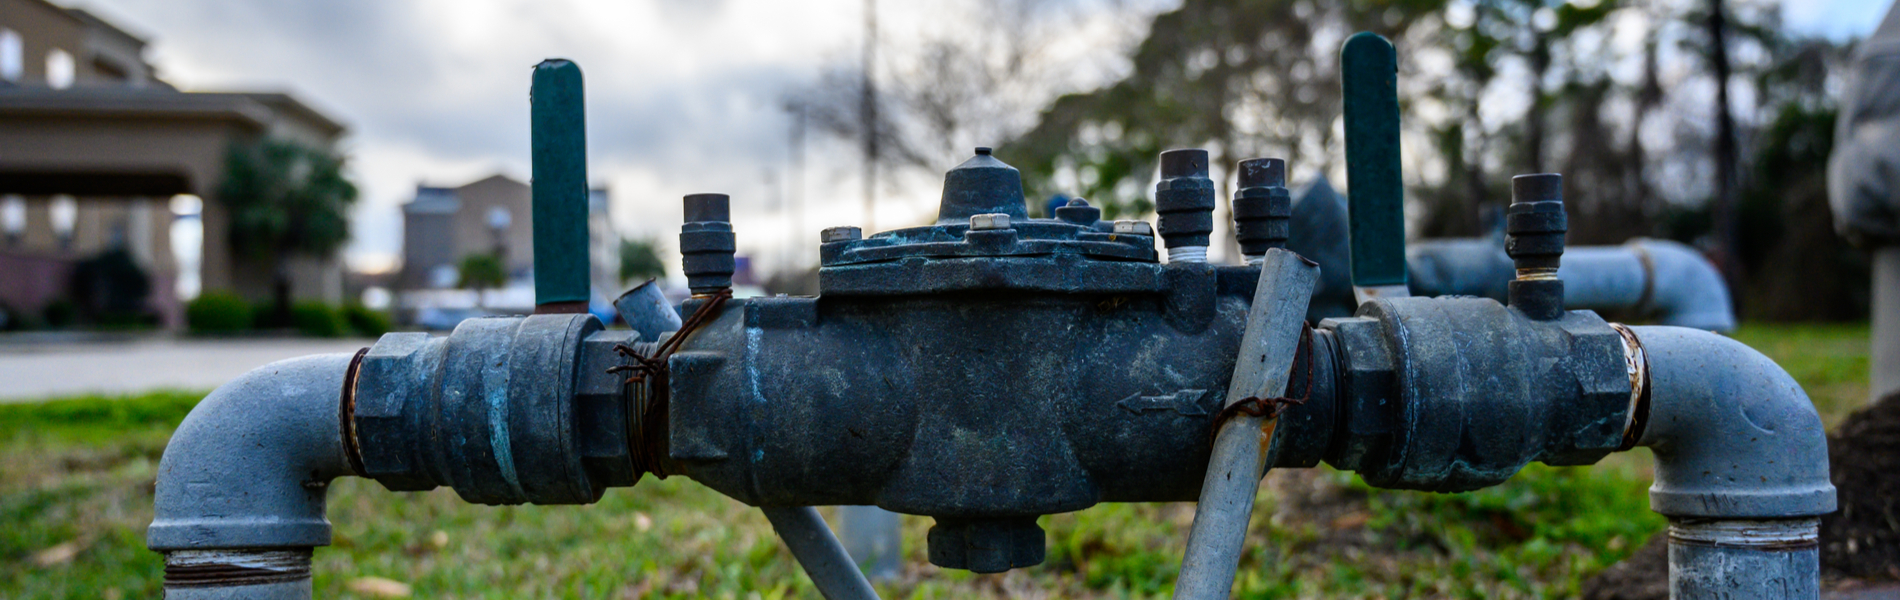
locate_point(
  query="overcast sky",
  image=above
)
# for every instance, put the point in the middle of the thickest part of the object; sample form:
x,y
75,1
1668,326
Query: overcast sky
x,y
683,95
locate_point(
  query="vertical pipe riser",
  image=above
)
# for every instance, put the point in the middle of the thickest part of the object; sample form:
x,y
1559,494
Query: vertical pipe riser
x,y
238,574
1744,560
1242,448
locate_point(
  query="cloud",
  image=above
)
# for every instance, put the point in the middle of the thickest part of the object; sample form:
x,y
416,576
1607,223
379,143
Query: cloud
x,y
682,95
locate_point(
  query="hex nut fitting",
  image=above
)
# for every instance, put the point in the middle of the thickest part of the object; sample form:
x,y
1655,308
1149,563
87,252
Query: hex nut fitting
x,y
707,243
498,411
385,385
1263,208
1534,239
989,221
1184,199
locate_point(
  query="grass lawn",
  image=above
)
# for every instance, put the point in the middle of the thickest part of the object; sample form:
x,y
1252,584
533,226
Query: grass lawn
x,y
76,486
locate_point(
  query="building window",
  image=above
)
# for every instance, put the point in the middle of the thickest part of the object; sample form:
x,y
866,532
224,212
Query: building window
x,y
13,217
65,216
12,55
59,69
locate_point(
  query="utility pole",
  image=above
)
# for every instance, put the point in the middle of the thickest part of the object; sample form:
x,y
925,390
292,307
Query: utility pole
x,y
872,536
868,112
795,188
774,200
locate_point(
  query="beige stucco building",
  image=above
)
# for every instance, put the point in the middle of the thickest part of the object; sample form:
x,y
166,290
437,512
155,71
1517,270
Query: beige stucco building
x,y
93,147
492,215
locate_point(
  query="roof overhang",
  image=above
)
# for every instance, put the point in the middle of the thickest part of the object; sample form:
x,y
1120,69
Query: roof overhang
x,y
255,111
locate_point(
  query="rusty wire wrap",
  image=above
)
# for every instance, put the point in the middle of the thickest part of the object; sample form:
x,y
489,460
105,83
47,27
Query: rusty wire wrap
x,y
650,371
346,413
1271,407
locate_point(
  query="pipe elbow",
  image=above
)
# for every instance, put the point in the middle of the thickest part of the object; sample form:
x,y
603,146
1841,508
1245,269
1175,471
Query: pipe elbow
x,y
250,466
1734,436
1687,290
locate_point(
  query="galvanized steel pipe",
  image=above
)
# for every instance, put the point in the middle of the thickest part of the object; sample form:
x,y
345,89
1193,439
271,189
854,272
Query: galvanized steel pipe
x,y
239,500
1741,467
1774,559
251,574
818,551
1669,280
1242,447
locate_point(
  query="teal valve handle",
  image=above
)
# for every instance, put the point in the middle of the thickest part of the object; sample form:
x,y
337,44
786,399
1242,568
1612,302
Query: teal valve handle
x,y
1375,192
558,124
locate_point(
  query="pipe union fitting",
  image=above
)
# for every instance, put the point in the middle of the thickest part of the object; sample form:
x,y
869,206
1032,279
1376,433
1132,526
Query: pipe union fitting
x,y
504,410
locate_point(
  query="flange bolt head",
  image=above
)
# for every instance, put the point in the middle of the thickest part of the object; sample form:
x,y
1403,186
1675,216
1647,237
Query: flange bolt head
x,y
989,221
844,233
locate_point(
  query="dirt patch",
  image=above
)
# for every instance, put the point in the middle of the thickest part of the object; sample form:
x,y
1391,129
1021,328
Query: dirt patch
x,y
1860,543
1642,576
1862,539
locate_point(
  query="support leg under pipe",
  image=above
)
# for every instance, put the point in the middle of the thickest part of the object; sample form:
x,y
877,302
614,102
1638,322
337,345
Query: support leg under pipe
x,y
1242,445
818,551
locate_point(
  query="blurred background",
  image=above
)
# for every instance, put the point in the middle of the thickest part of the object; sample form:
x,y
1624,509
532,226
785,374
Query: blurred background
x,y
190,188
375,154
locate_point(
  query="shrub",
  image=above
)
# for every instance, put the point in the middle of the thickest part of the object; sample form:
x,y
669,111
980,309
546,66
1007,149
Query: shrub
x,y
366,321
264,316
217,312
60,313
23,320
317,319
125,320
482,272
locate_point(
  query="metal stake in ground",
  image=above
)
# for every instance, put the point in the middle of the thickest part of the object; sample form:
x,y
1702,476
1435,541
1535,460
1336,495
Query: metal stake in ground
x,y
811,542
1243,445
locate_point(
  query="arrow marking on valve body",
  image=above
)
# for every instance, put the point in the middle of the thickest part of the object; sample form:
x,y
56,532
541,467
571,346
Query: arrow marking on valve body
x,y
1187,403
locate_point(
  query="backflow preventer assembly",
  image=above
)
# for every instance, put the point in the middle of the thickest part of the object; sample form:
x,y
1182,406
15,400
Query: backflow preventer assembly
x,y
991,368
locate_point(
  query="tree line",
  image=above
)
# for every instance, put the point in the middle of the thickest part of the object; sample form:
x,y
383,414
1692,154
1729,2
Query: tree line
x,y
1620,96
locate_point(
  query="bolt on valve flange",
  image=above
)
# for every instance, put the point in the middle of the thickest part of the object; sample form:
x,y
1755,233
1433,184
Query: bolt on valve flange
x,y
983,218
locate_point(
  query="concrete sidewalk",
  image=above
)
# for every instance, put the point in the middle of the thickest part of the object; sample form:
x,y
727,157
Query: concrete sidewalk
x,y
37,371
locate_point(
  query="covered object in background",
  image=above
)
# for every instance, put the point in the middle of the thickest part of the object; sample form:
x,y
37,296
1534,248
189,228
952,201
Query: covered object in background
x,y
1863,183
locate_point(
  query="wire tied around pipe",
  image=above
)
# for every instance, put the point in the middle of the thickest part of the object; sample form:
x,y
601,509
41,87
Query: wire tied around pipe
x,y
651,370
1271,408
